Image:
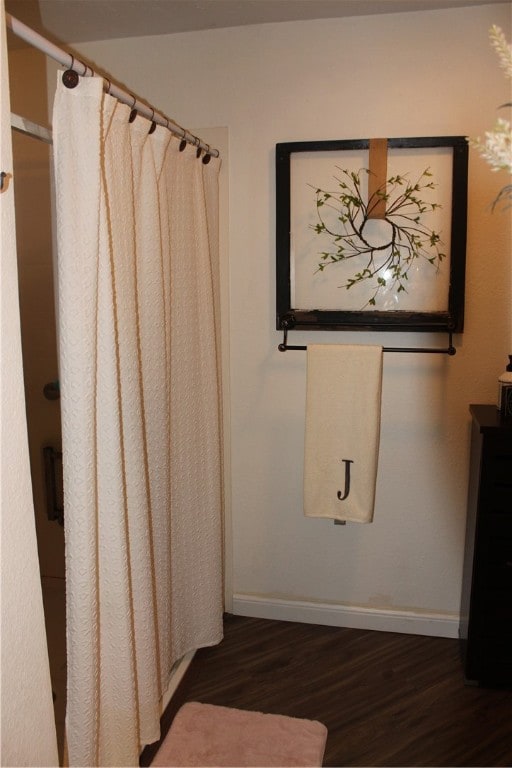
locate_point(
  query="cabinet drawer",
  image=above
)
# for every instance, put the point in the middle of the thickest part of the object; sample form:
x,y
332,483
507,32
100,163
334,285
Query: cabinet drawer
x,y
493,616
496,499
495,662
496,477
495,563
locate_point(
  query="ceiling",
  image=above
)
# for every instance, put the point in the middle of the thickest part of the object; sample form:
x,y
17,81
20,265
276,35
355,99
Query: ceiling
x,y
70,21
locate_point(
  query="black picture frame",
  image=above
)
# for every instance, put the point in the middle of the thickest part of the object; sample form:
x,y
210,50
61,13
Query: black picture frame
x,y
450,318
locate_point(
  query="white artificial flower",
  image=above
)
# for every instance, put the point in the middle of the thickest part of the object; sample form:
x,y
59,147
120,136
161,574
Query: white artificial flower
x,y
496,149
503,49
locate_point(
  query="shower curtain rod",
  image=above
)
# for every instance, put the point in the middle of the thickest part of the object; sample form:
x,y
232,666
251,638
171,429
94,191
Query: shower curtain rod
x,y
85,70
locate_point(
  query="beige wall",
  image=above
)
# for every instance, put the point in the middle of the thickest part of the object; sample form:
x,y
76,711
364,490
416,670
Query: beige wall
x,y
411,74
28,728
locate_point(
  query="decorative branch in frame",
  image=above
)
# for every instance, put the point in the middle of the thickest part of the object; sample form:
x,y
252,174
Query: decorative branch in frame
x,y
371,234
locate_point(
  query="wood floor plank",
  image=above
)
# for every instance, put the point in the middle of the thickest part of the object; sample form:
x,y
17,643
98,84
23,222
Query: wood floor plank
x,y
387,699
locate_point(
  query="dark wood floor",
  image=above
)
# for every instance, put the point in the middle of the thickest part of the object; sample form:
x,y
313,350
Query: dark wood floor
x,y
387,699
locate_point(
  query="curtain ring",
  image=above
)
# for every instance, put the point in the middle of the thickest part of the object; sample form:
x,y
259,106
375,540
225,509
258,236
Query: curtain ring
x,y
109,85
183,144
133,113
86,68
207,157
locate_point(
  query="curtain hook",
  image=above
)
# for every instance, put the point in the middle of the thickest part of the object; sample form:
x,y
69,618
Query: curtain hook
x,y
133,113
70,78
197,143
183,144
152,128
207,157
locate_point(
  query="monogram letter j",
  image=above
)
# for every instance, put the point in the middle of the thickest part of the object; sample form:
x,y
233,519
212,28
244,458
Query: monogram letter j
x,y
347,463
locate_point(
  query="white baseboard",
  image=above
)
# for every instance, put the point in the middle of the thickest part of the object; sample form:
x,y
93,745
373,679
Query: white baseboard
x,y
332,615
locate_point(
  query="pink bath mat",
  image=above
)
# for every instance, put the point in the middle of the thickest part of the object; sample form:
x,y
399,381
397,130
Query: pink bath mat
x,y
207,735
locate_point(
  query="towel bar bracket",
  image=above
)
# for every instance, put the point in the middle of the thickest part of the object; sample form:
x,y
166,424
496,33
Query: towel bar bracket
x,y
449,350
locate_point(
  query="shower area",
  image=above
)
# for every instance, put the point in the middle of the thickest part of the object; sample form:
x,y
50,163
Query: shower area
x,y
168,578
35,250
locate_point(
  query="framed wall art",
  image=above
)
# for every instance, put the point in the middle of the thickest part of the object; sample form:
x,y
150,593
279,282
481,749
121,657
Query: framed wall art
x,y
371,234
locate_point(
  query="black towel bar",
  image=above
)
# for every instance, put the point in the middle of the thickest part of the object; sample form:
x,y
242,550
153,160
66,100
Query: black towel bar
x,y
449,350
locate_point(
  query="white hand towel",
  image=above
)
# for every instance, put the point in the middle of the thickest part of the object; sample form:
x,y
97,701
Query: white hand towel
x,y
343,399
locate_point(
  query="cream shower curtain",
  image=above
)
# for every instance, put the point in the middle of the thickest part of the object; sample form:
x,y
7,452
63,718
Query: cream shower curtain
x,y
140,396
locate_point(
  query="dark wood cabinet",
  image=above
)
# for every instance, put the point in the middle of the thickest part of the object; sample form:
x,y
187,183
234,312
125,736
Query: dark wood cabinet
x,y
486,606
